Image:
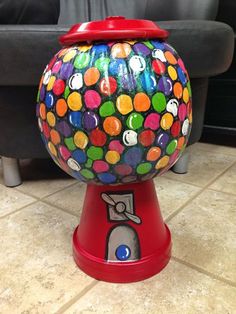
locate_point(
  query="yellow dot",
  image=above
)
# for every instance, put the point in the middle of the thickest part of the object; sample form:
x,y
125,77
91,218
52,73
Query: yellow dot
x,y
84,48
185,95
52,148
112,157
69,55
163,162
172,72
167,121
80,139
51,119
74,101
124,104
51,82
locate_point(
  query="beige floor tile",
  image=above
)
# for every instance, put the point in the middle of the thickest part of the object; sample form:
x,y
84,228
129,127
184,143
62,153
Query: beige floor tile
x,y
176,290
214,148
204,166
173,194
71,198
37,271
204,233
11,200
227,182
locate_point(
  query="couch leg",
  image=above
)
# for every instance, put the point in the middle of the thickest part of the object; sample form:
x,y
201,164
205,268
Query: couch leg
x,y
11,171
181,165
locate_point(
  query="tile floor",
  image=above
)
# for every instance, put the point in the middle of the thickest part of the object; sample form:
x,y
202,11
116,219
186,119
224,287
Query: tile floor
x,y
37,272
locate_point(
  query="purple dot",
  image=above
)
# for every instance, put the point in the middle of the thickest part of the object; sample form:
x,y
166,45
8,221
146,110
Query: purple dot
x,y
128,82
66,71
42,93
64,128
141,49
165,85
90,120
133,156
162,139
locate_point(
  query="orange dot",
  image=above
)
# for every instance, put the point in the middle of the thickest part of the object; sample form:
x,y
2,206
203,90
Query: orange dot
x,y
55,137
170,57
61,107
42,111
162,163
185,95
51,119
154,153
112,126
112,157
91,76
52,148
178,90
141,102
120,50
180,142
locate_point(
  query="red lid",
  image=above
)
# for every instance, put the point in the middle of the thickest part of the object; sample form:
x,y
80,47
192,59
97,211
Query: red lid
x,y
113,27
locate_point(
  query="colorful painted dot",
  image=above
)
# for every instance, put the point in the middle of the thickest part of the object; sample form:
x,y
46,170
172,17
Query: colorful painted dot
x,y
185,95
123,169
152,121
172,72
171,147
178,90
172,106
76,81
51,119
117,146
46,129
79,155
100,166
64,128
42,111
137,63
70,143
107,109
52,148
144,168
165,85
64,152
120,50
166,121
56,67
175,129
141,102
97,137
91,76
107,178
182,112
159,102
49,100
112,157
51,83
102,64
162,139
135,121
162,163
170,57
130,138
148,81
158,67
55,137
75,118
146,138
154,153
133,156
82,60
117,66
124,104
58,87
69,55
95,153
112,126
92,99
61,107
80,139
87,174
182,76
108,86
90,120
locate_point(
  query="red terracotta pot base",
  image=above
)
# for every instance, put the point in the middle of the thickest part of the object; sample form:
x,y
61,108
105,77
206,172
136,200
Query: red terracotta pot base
x,y
121,237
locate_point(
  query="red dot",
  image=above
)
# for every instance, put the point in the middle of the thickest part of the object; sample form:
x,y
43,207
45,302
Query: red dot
x,y
146,138
108,86
175,129
46,129
97,137
123,169
58,87
158,67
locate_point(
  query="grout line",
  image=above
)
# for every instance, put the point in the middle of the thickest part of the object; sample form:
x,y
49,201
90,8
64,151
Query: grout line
x,y
17,210
205,272
60,208
72,301
198,193
220,191
214,152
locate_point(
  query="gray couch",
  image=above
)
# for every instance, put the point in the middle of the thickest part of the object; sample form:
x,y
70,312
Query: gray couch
x,y
206,47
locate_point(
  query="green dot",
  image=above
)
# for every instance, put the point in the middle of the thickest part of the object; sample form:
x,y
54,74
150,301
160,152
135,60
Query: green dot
x,y
95,153
102,64
148,44
82,60
189,89
135,121
171,147
89,163
70,143
87,174
144,168
107,109
38,96
159,102
66,92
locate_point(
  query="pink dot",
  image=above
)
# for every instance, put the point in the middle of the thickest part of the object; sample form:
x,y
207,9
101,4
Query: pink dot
x,y
92,99
152,121
46,130
182,111
116,145
64,152
100,166
56,67
173,157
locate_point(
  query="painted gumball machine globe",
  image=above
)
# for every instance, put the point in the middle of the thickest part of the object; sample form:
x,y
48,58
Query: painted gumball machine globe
x,y
114,111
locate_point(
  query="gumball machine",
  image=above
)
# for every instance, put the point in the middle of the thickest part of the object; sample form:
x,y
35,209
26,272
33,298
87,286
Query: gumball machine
x,y
114,111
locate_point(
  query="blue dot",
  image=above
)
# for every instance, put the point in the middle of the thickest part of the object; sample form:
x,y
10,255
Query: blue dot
x,y
75,118
148,82
123,252
182,76
157,44
162,140
49,100
100,49
79,156
133,156
118,67
107,178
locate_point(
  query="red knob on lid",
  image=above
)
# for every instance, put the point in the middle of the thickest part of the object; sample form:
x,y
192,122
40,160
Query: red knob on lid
x,y
113,28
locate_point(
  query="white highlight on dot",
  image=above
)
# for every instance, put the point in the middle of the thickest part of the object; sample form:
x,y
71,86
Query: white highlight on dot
x,y
137,63
73,164
47,76
158,54
130,138
76,81
185,127
172,106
